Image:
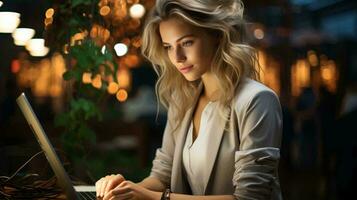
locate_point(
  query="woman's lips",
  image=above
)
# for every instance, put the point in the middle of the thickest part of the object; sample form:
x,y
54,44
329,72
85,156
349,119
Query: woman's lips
x,y
186,69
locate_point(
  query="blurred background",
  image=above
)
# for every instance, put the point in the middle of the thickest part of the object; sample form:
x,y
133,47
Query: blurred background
x,y
79,63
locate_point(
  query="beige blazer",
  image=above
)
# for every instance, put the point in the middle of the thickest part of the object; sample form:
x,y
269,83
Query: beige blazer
x,y
244,156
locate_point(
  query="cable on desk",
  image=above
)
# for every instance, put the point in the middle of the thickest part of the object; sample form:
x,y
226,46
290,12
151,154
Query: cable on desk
x,y
25,187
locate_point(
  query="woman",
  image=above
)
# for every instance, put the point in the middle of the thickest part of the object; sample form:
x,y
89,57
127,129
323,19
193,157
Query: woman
x,y
223,133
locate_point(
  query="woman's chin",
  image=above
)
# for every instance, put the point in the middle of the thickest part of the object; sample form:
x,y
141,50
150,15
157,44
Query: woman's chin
x,y
191,78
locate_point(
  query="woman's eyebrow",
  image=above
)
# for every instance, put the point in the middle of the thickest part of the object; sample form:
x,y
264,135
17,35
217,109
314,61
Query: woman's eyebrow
x,y
182,37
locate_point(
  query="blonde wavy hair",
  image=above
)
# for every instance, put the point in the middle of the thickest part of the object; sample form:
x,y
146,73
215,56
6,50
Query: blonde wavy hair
x,y
232,61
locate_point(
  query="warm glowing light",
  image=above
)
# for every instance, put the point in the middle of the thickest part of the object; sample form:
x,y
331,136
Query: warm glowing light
x,y
133,24
105,35
44,77
15,66
303,72
126,41
87,77
329,75
49,13
97,81
122,95
136,41
78,37
312,58
131,60
326,73
300,76
120,10
66,49
113,88
269,72
9,21
22,35
58,67
258,33
124,77
41,84
137,11
55,91
105,10
120,49
99,34
48,21
132,1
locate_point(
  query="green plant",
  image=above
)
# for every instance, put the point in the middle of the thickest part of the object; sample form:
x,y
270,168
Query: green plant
x,y
79,32
84,56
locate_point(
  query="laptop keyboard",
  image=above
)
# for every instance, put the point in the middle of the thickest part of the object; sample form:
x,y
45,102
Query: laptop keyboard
x,y
86,195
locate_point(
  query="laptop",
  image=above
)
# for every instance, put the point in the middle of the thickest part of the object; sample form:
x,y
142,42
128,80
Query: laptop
x,y
71,192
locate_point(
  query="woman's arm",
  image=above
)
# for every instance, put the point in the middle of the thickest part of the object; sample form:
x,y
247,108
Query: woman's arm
x,y
174,196
156,186
256,161
152,183
130,190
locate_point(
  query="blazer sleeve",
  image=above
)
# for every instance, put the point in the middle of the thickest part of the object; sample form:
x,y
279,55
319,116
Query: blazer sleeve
x,y
256,160
162,163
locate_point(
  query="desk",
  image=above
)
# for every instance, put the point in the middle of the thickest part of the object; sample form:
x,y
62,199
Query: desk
x,y
61,196
43,188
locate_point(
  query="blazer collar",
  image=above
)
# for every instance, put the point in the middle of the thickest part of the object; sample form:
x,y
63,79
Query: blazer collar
x,y
216,132
177,182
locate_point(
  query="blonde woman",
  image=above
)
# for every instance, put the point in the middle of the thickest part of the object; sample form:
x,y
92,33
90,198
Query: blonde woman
x,y
223,133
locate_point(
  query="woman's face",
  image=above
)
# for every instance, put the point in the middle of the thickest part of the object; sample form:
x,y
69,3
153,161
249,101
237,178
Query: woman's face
x,y
188,47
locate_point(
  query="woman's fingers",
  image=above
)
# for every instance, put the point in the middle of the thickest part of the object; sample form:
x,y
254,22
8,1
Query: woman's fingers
x,y
98,185
125,196
107,183
114,181
102,188
121,189
119,193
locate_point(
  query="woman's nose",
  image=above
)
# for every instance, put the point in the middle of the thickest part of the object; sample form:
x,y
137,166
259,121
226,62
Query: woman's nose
x,y
180,55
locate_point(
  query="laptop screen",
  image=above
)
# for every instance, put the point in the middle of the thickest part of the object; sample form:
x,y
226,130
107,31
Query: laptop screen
x,y
55,163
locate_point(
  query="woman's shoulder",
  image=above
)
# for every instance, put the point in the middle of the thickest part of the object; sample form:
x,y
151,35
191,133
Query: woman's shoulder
x,y
249,87
250,90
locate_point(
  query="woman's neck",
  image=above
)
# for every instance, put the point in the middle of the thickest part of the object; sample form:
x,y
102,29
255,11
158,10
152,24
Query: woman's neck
x,y
210,87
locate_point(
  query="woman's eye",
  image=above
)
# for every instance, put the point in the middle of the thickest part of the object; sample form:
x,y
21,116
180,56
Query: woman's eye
x,y
167,48
187,43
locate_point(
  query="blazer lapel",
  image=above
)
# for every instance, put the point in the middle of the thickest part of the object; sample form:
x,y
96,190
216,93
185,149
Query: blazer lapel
x,y
216,134
177,181
178,184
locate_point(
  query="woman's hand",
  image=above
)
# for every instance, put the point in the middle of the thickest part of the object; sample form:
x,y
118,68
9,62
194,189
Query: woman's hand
x,y
128,190
107,183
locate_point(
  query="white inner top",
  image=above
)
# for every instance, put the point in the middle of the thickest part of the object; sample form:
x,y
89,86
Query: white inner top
x,y
195,153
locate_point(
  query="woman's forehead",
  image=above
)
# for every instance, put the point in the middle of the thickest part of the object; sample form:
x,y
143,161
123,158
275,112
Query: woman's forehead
x,y
175,27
